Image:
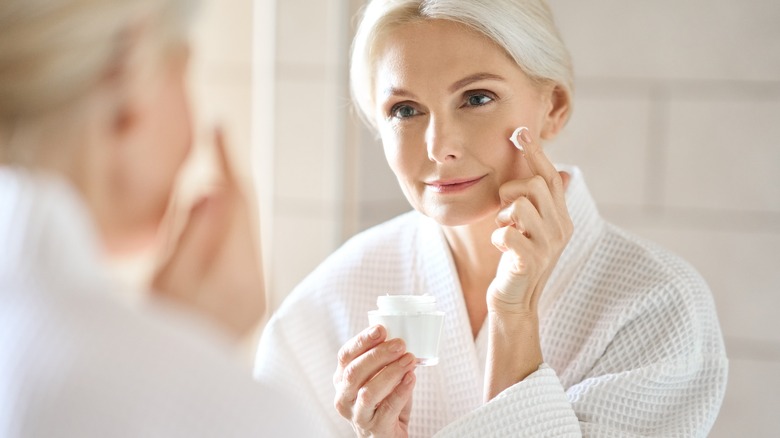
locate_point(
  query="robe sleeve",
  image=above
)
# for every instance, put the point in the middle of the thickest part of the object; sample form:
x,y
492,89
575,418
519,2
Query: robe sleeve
x,y
663,373
290,357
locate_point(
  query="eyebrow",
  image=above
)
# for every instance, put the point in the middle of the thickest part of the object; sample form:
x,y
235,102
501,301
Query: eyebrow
x,y
473,78
395,91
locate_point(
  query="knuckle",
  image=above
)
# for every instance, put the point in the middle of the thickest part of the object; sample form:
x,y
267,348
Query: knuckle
x,y
387,406
366,397
349,376
537,182
344,355
557,181
339,405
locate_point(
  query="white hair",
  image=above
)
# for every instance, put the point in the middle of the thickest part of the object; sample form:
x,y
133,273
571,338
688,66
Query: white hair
x,y
523,28
53,52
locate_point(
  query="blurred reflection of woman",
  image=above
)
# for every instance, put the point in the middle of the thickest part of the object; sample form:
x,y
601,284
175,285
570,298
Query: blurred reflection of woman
x,y
557,323
94,125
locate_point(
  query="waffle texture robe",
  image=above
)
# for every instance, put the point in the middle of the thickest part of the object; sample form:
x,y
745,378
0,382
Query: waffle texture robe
x,y
75,361
629,334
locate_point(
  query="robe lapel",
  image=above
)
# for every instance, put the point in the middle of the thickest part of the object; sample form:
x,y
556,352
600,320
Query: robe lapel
x,y
458,371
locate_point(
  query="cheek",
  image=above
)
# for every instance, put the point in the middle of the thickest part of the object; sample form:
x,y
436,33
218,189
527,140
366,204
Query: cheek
x,y
166,144
392,146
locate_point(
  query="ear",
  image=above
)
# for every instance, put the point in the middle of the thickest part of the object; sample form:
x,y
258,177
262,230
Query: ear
x,y
558,110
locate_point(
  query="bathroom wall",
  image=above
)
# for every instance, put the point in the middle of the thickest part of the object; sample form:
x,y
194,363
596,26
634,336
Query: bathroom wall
x,y
675,126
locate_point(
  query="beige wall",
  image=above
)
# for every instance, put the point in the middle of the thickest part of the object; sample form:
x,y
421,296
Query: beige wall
x,y
676,126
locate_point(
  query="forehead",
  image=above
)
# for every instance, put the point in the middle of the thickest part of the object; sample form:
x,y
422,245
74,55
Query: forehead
x,y
437,50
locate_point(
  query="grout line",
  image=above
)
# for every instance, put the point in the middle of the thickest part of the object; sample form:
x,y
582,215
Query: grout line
x,y
696,218
704,89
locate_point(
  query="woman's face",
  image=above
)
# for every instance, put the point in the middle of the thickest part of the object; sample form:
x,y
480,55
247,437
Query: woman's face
x,y
447,99
150,153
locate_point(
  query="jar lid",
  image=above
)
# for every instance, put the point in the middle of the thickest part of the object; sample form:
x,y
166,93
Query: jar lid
x,y
406,303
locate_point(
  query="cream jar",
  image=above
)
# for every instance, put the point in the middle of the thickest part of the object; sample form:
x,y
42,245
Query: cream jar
x,y
414,319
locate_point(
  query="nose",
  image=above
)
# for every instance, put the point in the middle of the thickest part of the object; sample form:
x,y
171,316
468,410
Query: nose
x,y
442,140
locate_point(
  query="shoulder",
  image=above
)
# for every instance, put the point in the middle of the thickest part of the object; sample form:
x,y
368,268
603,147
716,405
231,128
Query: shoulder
x,y
377,252
345,285
655,293
638,265
92,364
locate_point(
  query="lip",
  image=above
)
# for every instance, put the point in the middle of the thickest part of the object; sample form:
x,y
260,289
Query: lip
x,y
453,185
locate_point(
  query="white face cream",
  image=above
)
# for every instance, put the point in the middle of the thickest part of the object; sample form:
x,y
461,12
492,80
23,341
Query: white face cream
x,y
414,319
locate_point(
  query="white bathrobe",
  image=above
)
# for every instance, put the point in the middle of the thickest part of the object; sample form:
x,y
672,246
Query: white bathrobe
x,y
75,361
629,334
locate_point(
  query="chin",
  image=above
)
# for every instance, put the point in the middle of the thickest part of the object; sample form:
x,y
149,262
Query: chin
x,y
458,216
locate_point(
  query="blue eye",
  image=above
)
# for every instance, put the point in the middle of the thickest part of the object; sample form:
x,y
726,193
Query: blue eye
x,y
478,100
403,111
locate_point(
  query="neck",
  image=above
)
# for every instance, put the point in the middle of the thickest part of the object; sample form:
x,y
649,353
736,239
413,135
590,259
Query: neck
x,y
476,261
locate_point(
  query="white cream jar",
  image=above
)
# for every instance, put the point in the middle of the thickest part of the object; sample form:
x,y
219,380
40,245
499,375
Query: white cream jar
x,y
414,319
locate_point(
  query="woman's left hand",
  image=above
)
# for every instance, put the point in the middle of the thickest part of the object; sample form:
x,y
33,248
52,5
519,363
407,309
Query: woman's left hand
x,y
534,228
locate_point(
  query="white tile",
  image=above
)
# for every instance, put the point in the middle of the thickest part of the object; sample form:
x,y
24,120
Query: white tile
x,y
223,34
308,154
741,270
752,397
301,242
708,39
377,183
607,139
724,155
311,32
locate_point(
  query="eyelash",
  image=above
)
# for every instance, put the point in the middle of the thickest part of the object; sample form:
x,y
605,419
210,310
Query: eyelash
x,y
480,93
395,108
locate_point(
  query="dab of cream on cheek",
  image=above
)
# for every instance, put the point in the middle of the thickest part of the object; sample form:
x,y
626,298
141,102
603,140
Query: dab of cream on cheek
x,y
516,134
414,319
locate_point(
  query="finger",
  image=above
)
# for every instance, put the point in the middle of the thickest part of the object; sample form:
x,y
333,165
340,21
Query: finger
x,y
566,179
223,158
195,249
508,239
366,366
398,405
541,165
536,190
380,387
523,216
358,345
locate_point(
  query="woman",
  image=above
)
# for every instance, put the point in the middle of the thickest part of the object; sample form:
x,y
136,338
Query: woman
x,y
94,125
557,323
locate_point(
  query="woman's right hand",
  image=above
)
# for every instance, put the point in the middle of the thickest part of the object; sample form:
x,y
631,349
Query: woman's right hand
x,y
374,380
214,269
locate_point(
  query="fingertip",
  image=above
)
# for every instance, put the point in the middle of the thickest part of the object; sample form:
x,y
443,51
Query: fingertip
x,y
518,133
525,135
565,179
375,332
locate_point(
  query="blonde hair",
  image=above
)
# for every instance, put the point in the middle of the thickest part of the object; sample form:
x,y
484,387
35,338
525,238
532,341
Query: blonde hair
x,y
523,28
54,52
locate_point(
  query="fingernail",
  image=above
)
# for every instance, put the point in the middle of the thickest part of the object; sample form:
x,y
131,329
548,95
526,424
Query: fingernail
x,y
407,379
406,360
525,135
374,333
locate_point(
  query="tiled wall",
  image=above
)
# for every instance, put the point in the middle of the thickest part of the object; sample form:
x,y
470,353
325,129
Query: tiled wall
x,y
676,126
